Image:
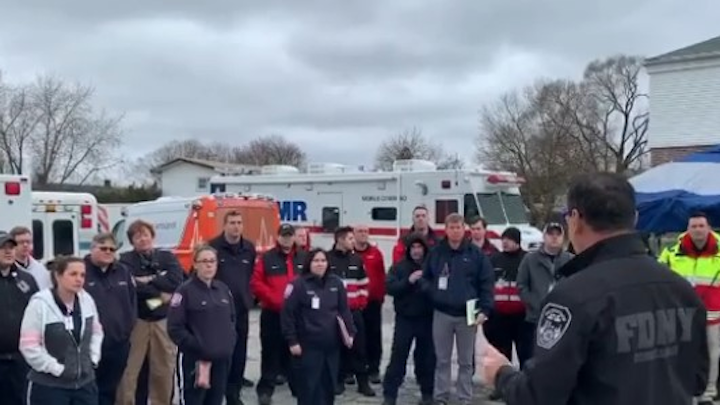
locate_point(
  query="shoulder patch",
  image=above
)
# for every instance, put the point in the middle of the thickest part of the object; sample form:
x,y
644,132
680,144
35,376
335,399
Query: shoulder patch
x,y
288,290
176,299
554,322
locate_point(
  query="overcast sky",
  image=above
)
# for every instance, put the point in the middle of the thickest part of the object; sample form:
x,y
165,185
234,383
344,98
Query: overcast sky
x,y
336,76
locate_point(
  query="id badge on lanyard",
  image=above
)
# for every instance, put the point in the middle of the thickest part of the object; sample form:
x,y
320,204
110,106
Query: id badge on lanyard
x,y
69,323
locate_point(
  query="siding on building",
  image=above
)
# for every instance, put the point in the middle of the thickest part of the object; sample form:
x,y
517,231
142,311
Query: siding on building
x,y
684,106
185,180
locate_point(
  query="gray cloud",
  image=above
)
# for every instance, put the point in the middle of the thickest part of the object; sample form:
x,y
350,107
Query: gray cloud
x,y
336,76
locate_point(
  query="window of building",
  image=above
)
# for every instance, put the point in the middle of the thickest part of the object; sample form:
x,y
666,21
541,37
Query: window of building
x,y
38,239
443,208
63,237
384,214
330,219
202,183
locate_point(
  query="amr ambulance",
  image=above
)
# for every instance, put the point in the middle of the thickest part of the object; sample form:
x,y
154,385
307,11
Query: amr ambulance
x,y
331,195
15,201
63,223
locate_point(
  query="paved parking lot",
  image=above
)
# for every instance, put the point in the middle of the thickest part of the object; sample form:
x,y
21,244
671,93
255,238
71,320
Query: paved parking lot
x,y
409,393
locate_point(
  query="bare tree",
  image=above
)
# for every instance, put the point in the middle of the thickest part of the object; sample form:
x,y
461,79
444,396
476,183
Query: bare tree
x,y
407,144
57,124
451,162
270,150
18,121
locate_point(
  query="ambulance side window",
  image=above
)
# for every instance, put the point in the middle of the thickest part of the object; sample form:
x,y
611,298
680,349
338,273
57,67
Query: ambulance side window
x,y
384,214
330,219
38,239
443,208
63,237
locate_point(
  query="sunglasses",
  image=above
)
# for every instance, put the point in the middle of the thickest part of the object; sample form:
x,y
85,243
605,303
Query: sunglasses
x,y
107,249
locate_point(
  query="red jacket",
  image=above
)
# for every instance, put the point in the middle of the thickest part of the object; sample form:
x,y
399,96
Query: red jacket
x,y
431,239
274,270
374,264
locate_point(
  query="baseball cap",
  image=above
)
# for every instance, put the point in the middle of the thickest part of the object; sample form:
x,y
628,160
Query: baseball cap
x,y
553,226
286,230
5,238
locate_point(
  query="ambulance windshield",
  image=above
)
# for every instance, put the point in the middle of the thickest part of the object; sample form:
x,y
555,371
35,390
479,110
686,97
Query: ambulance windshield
x,y
497,208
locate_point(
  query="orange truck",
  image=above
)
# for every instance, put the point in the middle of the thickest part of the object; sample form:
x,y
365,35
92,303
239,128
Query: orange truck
x,y
181,223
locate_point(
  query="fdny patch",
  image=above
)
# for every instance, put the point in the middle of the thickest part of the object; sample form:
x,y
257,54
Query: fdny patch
x,y
288,290
175,300
554,322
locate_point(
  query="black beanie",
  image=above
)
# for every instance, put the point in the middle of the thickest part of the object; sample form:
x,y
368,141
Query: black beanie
x,y
513,234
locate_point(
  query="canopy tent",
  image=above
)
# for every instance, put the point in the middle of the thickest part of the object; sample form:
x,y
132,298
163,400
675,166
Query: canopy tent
x,y
667,194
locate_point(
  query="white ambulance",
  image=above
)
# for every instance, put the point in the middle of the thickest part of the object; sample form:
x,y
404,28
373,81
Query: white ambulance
x,y
15,201
64,223
330,195
110,216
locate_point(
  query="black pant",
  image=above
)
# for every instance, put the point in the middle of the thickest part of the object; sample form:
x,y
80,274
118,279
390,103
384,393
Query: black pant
x,y
44,395
110,371
275,354
13,379
354,360
406,331
527,340
503,330
237,365
373,334
315,373
192,395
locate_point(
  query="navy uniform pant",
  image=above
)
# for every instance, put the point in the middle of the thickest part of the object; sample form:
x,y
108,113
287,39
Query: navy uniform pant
x,y
13,379
372,315
110,370
406,331
275,354
192,395
44,395
354,360
315,372
237,365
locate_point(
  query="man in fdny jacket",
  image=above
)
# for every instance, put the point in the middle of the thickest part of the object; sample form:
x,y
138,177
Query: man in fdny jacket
x,y
413,322
619,328
274,270
236,259
456,272
111,286
348,265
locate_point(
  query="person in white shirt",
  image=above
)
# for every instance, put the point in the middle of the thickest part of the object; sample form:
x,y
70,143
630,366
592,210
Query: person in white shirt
x,y
24,259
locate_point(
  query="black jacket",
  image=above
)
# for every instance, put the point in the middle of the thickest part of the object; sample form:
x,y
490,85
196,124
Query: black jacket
x,y
201,320
235,268
619,329
469,276
15,291
115,298
409,299
318,328
167,275
506,264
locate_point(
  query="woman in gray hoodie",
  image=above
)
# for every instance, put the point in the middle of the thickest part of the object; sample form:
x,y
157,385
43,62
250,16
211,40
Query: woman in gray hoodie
x,y
60,338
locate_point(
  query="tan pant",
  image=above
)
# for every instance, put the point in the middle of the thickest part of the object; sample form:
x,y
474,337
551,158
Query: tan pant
x,y
713,335
149,339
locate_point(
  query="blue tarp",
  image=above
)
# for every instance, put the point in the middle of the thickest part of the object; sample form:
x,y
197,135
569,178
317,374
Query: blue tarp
x,y
668,193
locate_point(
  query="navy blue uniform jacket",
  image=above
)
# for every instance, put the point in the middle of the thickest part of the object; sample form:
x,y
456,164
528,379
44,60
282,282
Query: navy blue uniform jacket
x,y
167,275
470,276
201,320
115,298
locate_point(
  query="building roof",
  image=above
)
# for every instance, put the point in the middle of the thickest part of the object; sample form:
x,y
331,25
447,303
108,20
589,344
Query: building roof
x,y
702,50
220,167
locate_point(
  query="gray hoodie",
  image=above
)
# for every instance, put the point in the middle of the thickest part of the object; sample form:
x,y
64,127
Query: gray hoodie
x,y
536,277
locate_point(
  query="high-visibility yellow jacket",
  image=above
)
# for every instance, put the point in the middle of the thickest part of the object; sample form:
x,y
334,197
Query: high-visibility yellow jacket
x,y
700,268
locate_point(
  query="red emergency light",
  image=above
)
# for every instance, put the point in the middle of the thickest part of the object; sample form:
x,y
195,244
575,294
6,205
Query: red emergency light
x,y
86,221
504,179
12,188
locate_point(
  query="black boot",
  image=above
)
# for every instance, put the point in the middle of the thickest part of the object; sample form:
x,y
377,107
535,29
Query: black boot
x,y
364,386
232,394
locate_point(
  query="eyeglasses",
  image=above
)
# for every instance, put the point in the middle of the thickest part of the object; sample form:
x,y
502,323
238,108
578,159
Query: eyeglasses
x,y
206,261
107,249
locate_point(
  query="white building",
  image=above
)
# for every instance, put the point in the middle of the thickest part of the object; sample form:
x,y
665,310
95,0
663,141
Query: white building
x,y
186,177
684,101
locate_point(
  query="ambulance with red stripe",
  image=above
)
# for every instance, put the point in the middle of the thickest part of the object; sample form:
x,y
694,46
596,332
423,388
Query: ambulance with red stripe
x,y
63,223
326,196
15,201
